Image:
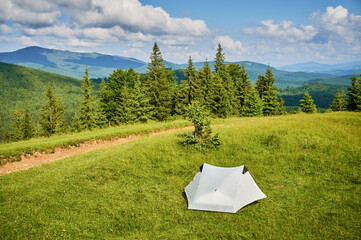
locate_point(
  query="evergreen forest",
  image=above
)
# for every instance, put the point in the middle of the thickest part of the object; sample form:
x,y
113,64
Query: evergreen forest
x,y
60,104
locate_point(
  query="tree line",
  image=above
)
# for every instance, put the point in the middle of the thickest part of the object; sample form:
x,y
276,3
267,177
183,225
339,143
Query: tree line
x,y
129,97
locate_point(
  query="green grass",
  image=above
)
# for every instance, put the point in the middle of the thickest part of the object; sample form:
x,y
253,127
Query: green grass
x,y
309,167
43,143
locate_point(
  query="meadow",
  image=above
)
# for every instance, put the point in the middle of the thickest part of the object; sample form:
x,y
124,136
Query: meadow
x,y
309,166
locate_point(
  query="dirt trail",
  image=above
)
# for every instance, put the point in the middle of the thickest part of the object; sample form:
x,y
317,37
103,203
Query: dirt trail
x,y
38,158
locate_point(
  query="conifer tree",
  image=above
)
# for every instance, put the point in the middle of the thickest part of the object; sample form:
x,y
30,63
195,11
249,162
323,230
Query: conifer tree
x,y
52,115
207,87
27,126
354,96
190,89
139,103
227,93
253,104
241,86
100,117
340,102
272,105
16,127
307,105
220,99
158,86
86,115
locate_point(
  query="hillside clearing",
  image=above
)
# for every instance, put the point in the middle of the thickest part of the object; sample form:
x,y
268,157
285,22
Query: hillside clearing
x,y
309,166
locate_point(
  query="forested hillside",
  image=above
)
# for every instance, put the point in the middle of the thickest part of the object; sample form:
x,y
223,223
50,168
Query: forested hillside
x,y
322,93
22,87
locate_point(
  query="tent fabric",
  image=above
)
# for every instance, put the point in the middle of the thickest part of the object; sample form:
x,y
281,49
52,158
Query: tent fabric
x,y
222,189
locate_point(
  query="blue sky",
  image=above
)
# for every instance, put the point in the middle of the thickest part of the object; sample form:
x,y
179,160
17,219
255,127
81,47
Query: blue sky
x,y
274,32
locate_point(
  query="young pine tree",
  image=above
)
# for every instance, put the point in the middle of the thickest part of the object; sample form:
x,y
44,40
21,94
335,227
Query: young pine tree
x,y
307,105
27,126
52,115
158,86
340,102
86,115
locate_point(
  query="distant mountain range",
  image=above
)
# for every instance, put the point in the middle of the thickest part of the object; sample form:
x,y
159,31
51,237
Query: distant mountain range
x,y
335,69
72,64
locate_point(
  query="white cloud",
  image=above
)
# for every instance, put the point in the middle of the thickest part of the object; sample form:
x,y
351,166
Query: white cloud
x,y
5,29
336,24
284,31
102,21
227,42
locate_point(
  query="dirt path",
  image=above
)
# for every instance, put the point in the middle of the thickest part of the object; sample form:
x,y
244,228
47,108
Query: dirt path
x,y
38,158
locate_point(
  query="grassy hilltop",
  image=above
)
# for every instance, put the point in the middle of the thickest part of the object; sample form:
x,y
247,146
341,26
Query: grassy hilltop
x,y
308,166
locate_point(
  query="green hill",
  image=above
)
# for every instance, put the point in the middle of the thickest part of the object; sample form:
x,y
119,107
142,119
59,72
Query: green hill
x,y
22,87
322,93
308,165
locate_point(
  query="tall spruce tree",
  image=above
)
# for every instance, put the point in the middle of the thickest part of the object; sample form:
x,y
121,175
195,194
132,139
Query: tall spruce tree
x,y
227,93
100,117
190,89
16,127
27,126
307,104
139,103
340,102
158,86
272,105
242,86
354,96
207,87
52,115
86,115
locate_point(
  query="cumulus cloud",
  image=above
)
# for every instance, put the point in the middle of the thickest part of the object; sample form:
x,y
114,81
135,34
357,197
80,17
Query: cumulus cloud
x,y
284,31
336,24
227,42
90,22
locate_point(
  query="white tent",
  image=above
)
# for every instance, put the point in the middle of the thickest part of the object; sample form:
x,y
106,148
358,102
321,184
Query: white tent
x,y
222,189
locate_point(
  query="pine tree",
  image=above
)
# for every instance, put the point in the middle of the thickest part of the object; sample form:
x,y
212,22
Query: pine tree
x,y
100,117
220,99
139,103
207,87
190,89
354,96
340,102
158,86
27,126
86,115
16,127
52,115
253,104
226,82
272,105
307,105
241,86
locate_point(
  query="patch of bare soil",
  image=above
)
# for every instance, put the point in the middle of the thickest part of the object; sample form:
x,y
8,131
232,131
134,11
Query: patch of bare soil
x,y
38,158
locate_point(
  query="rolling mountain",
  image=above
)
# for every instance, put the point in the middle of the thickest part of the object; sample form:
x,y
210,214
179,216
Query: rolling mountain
x,y
68,63
72,64
347,68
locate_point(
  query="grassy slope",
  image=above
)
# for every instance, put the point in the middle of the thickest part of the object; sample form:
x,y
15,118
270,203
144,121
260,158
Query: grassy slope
x,y
44,143
308,166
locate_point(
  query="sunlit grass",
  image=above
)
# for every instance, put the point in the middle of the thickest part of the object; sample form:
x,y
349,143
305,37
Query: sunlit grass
x,y
309,166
